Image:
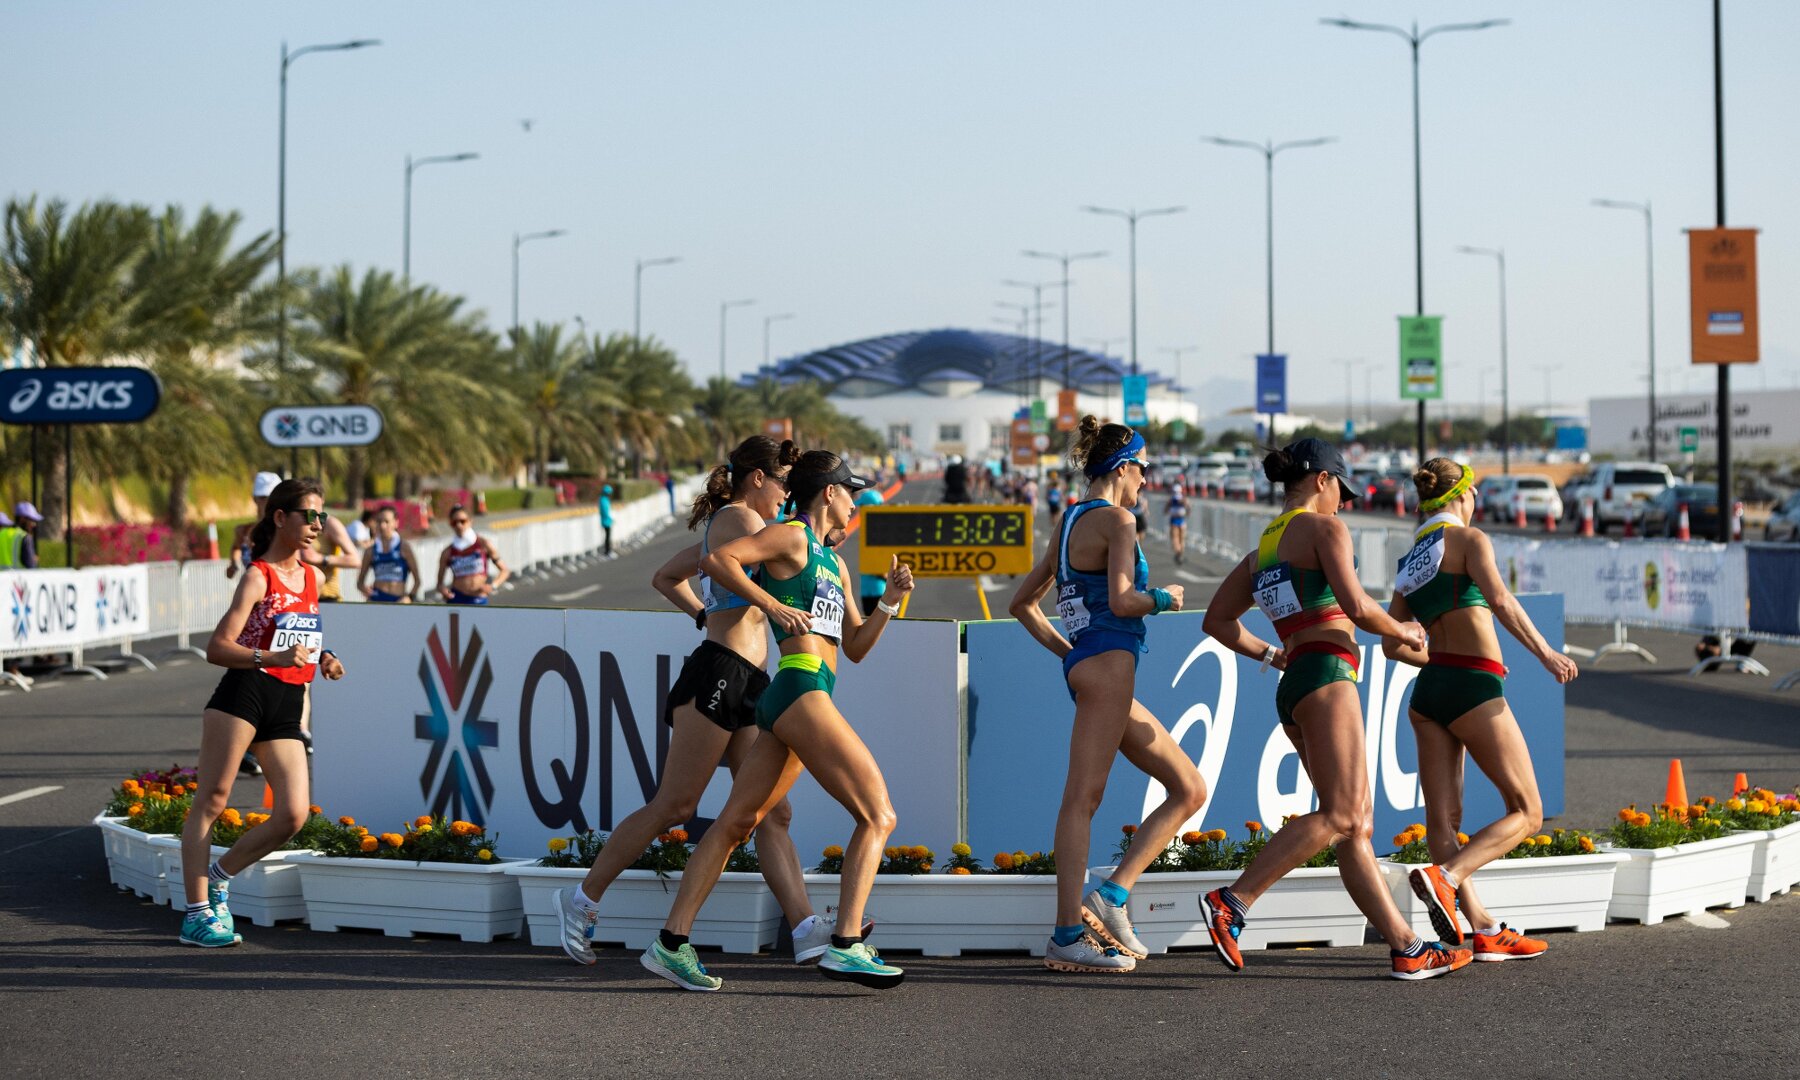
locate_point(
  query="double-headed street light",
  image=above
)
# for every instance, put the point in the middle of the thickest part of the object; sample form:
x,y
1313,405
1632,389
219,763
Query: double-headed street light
x,y
406,228
767,320
1065,259
1415,38
1268,149
1499,256
1650,290
1037,312
637,294
519,241
724,306
287,58
1131,220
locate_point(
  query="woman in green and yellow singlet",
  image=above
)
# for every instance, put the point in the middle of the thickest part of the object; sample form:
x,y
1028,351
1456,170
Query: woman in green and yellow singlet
x,y
1303,577
1450,583
800,587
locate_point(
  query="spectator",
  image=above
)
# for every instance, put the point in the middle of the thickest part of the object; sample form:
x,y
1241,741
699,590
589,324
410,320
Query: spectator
x,y
956,480
668,482
606,518
870,587
18,543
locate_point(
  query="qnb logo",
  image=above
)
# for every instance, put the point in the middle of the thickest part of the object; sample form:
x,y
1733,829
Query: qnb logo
x,y
21,609
456,682
26,396
287,426
100,603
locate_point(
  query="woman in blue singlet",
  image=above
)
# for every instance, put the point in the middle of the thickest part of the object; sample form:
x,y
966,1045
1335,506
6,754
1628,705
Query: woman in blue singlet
x,y
1102,596
1178,508
389,560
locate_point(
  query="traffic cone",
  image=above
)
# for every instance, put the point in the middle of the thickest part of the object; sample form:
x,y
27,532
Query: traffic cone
x,y
1676,795
268,797
1587,517
1549,520
1518,511
1737,521
1740,784
212,539
1399,504
1250,494
1681,525
1630,525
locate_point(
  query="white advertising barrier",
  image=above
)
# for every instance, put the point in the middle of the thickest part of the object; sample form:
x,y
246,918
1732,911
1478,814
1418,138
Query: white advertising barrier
x,y
47,610
1681,584
542,723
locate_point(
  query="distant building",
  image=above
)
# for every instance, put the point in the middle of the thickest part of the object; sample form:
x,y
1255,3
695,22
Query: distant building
x,y
955,391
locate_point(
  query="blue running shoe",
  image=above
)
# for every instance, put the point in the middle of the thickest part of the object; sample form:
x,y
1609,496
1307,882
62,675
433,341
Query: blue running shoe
x,y
859,964
204,929
218,894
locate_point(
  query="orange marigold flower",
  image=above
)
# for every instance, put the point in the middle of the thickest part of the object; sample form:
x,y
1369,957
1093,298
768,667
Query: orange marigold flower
x,y
1215,835
1191,837
369,843
664,838
134,809
1586,845
1541,840
959,870
678,835
315,809
255,818
1627,813
1402,839
1128,830
1707,800
392,840
891,852
1462,837
1643,820
1003,861
346,820
1253,826
231,817
833,852
422,820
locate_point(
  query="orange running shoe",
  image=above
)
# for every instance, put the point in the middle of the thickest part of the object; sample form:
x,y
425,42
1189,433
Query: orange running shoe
x,y
1508,944
1437,959
1224,927
1429,884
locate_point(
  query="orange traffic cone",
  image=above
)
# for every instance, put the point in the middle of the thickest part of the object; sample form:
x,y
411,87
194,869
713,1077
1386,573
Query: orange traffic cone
x,y
1549,520
212,539
1682,531
1519,512
1399,504
1587,517
1740,785
268,797
1677,792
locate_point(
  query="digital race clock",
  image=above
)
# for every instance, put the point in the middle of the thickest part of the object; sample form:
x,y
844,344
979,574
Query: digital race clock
x,y
947,541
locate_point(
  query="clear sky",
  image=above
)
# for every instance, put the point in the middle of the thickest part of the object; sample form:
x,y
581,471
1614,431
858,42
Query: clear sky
x,y
877,168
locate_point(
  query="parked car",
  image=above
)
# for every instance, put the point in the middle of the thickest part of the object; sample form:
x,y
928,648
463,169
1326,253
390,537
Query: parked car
x,y
1390,486
1240,478
1784,521
1500,495
1661,515
1364,478
1615,486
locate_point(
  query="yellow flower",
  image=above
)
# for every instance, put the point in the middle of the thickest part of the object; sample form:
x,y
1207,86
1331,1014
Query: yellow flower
x,y
958,870
360,831
159,796
1757,806
422,820
558,844
484,854
1542,840
891,852
919,852
960,850
369,843
1586,845
1734,804
1215,835
1462,837
422,829
833,852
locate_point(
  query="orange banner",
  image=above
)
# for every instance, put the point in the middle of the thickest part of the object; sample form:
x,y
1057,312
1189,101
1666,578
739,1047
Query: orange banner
x,y
1722,293
1023,452
779,429
1067,417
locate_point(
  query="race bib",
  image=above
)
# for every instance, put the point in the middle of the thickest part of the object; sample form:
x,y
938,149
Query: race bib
x,y
1274,592
298,628
1073,610
1421,564
828,610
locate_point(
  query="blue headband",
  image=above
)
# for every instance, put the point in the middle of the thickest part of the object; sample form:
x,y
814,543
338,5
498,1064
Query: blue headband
x,y
1116,458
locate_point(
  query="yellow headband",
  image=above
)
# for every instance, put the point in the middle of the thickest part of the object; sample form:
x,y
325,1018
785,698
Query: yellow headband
x,y
1456,491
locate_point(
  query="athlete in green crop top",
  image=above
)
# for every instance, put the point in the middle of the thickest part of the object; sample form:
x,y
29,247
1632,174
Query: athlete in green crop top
x,y
1303,577
1448,580
801,590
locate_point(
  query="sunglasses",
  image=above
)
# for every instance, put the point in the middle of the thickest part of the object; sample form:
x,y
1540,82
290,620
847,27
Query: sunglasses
x,y
459,521
314,517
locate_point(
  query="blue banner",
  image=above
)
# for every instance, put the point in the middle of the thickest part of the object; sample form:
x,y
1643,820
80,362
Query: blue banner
x,y
1221,709
1774,571
77,395
1271,383
1136,389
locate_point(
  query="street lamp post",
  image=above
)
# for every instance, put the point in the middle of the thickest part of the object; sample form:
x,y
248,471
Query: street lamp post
x,y
724,306
1650,292
519,241
1037,334
1499,256
287,58
406,228
1349,366
637,294
767,319
1178,351
1268,149
1415,38
1131,220
1065,259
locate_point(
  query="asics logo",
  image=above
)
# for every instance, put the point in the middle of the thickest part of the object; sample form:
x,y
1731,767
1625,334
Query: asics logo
x,y
27,395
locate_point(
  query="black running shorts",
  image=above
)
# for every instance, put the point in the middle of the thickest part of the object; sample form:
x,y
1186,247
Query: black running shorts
x,y
264,702
721,684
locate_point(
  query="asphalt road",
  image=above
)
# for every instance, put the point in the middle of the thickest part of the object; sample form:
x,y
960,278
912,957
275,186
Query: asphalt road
x,y
92,981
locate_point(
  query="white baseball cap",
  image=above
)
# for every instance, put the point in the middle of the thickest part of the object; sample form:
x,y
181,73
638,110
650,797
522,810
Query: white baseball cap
x,y
264,483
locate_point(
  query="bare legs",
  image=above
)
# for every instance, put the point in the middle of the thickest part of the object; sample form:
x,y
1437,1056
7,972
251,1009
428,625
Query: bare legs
x,y
223,740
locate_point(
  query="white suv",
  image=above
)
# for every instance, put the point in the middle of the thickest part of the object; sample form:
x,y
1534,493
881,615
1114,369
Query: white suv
x,y
1501,495
1620,488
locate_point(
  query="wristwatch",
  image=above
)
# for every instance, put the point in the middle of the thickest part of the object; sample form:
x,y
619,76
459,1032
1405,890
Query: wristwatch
x,y
893,610
1268,657
256,658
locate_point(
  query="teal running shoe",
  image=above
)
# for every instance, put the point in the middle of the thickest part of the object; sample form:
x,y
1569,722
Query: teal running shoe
x,y
681,967
218,894
859,964
204,929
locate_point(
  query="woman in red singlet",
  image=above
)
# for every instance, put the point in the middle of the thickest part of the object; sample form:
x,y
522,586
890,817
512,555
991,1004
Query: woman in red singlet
x,y
271,641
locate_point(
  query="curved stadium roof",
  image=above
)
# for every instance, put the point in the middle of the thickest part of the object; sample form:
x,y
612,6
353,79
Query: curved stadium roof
x,y
933,360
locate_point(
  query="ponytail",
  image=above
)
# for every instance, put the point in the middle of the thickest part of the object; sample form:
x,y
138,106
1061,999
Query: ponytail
x,y
286,498
715,495
726,482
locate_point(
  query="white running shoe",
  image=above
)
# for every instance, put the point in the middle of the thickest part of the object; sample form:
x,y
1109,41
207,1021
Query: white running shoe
x,y
577,927
1086,956
813,944
1112,925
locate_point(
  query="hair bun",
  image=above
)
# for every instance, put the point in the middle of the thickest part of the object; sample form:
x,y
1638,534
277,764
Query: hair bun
x,y
1279,467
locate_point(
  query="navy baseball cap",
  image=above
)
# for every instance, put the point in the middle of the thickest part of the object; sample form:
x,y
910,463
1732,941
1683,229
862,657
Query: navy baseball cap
x,y
1317,455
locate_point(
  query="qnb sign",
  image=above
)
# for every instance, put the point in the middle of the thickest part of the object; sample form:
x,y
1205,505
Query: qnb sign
x,y
321,425
85,395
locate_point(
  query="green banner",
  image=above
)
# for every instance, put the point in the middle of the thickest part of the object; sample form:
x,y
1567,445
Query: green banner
x,y
1690,439
1040,417
1178,429
1421,357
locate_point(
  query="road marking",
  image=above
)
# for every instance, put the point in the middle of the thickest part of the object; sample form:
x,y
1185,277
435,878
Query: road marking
x,y
576,595
1189,575
30,793
1706,920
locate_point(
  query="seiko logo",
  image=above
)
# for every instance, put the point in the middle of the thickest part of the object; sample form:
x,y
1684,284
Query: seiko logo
x,y
27,395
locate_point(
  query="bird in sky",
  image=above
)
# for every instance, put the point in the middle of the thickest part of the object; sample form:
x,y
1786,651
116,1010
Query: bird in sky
x,y
526,124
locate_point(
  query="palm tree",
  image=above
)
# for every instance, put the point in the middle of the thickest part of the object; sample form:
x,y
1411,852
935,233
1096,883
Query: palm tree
x,y
551,377
645,392
66,291
726,414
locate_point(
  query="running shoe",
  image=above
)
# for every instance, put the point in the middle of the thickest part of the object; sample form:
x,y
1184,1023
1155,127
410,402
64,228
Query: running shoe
x,y
812,945
1437,959
204,929
577,927
218,894
248,766
1508,944
1223,926
859,964
1429,884
1112,925
681,967
1086,955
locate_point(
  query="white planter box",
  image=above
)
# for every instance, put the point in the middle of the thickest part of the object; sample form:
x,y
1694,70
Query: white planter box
x,y
1655,883
133,863
1774,863
262,894
1567,892
1309,906
740,915
402,898
110,842
947,915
